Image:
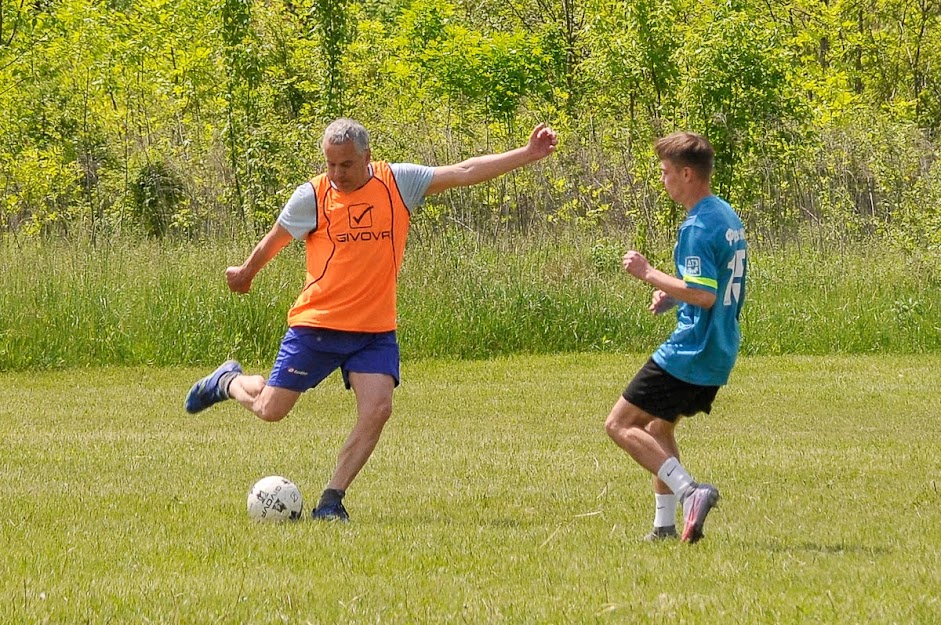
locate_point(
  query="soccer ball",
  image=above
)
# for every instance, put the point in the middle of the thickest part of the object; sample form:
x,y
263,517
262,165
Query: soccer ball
x,y
275,498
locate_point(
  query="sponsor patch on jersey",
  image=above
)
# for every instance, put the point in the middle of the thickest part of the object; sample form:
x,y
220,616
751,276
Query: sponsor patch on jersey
x,y
693,267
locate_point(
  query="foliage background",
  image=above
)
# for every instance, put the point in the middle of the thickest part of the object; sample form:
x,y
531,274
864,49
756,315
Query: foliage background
x,y
190,119
145,145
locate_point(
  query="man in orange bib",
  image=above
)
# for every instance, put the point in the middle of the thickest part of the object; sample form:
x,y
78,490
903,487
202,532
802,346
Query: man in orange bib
x,y
354,221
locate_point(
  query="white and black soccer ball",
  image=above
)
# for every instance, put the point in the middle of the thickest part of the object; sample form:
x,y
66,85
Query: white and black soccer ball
x,y
275,498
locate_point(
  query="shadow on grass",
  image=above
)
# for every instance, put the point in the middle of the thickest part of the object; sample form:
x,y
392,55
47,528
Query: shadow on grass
x,y
436,520
826,549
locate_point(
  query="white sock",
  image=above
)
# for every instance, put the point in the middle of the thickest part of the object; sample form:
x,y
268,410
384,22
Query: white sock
x,y
665,514
675,476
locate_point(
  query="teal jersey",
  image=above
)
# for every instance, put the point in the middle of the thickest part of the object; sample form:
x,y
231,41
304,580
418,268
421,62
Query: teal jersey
x,y
710,254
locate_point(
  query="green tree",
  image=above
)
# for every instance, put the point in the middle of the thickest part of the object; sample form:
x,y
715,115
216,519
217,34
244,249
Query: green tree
x,y
740,92
332,22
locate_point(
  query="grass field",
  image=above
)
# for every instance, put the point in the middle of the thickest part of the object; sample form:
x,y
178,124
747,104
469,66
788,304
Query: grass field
x,y
494,497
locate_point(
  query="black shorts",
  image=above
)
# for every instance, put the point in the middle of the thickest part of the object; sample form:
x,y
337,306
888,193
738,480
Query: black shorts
x,y
656,392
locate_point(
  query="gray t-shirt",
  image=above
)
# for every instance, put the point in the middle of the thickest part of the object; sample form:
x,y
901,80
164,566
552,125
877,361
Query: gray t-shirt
x,y
299,215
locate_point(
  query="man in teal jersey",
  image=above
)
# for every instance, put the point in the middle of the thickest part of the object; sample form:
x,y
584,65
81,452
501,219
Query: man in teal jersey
x,y
685,373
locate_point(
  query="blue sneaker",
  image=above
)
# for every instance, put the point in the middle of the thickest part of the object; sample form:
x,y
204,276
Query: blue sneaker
x,y
696,506
330,512
209,391
330,507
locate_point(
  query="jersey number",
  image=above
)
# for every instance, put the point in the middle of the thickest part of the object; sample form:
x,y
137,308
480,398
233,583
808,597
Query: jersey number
x,y
733,290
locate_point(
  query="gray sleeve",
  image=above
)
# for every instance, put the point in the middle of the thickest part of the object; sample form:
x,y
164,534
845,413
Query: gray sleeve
x,y
299,215
412,181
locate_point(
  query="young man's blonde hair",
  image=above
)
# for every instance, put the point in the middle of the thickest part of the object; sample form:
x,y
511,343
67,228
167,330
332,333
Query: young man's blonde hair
x,y
687,149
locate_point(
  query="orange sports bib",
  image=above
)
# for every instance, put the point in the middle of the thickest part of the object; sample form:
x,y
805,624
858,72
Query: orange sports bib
x,y
354,256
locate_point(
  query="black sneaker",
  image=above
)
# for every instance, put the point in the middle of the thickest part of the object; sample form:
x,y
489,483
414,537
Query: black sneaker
x,y
330,507
666,532
696,506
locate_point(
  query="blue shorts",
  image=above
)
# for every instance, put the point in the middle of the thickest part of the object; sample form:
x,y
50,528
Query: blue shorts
x,y
308,355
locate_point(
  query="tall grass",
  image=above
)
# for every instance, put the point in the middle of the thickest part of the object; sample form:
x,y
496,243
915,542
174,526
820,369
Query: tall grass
x,y
130,303
63,305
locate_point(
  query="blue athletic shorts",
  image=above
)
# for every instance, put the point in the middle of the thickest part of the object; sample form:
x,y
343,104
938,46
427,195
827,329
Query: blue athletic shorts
x,y
308,355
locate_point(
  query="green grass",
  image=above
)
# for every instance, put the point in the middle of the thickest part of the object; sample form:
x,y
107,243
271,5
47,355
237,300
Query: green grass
x,y
126,303
494,497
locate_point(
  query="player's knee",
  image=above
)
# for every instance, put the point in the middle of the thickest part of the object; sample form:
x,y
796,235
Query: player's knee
x,y
622,419
269,412
376,413
382,410
612,425
270,417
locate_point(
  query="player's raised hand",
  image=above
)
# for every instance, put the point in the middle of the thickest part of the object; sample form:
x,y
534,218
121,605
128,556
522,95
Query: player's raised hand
x,y
636,264
238,279
542,141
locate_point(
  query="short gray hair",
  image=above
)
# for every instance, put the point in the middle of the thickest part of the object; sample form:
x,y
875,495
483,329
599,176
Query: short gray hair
x,y
343,130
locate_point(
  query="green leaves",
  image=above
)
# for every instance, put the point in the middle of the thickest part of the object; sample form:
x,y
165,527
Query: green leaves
x,y
233,95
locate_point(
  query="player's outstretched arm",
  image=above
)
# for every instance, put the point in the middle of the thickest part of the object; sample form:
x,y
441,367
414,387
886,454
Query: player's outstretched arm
x,y
478,169
240,278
